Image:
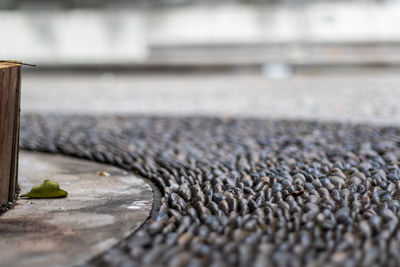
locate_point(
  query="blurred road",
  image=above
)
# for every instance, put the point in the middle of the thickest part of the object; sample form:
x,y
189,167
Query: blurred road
x,y
366,96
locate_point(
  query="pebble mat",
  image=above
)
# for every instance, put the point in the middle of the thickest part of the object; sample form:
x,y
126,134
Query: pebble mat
x,y
245,192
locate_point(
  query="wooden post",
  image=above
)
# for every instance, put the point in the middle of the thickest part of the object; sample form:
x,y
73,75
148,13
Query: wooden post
x,y
10,83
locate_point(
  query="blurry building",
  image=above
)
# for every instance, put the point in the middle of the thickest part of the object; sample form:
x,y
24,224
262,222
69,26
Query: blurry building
x,y
199,32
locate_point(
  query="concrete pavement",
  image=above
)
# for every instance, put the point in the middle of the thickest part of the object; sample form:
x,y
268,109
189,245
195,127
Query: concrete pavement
x,y
341,95
98,212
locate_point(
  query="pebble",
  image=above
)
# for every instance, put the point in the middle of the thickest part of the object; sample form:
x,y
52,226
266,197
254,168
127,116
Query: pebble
x,y
237,192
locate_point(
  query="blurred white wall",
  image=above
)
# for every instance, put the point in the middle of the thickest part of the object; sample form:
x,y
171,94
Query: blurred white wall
x,y
131,35
315,22
73,37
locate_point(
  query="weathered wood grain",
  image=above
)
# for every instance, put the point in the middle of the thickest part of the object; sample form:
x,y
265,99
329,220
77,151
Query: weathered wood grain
x,y
10,74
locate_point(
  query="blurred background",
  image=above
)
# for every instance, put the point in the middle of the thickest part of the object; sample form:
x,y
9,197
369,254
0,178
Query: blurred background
x,y
327,60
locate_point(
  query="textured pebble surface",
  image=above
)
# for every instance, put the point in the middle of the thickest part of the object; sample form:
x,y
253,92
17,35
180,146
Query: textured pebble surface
x,y
245,192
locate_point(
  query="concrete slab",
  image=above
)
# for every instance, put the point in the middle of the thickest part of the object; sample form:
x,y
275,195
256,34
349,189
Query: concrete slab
x,y
98,212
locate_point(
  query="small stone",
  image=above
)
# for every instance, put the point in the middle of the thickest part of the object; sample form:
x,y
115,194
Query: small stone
x,y
343,215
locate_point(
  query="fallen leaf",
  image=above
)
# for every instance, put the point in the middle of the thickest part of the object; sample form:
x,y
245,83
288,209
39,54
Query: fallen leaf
x,y
103,173
48,189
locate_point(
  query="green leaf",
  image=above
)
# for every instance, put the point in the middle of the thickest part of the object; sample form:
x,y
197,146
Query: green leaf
x,y
48,189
